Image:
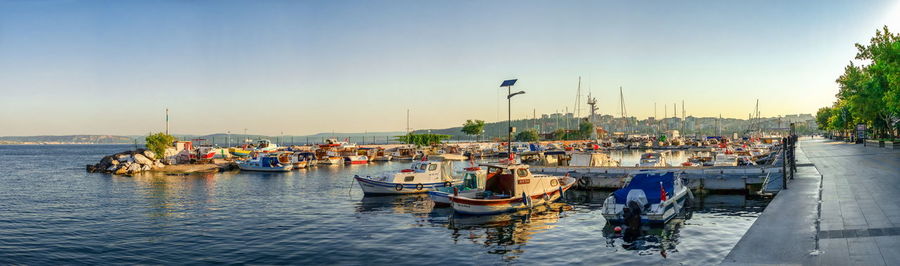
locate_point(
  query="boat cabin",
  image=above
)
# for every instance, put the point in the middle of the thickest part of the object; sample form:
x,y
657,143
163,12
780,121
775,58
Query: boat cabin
x,y
505,181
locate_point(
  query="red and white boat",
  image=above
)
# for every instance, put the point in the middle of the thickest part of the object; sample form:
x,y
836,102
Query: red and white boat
x,y
356,159
510,187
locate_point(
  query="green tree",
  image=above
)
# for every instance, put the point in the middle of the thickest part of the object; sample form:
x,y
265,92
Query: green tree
x,y
560,134
822,117
871,93
157,143
585,129
473,127
422,140
528,135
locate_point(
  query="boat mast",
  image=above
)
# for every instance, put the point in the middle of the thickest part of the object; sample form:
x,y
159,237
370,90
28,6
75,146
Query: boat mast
x,y
622,106
682,117
578,99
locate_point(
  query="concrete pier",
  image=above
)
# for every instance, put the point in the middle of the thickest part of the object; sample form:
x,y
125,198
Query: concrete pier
x,y
856,223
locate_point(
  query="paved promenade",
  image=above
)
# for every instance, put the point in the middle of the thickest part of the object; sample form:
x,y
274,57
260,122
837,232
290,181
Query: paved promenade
x,y
860,210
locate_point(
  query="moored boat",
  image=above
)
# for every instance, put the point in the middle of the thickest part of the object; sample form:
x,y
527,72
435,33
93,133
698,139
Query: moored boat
x,y
356,159
473,178
265,164
239,152
653,159
654,197
421,177
510,187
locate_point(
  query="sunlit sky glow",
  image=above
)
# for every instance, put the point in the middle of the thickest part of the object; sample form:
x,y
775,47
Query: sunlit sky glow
x,y
303,67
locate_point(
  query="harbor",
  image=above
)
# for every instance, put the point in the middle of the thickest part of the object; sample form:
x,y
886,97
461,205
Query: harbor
x,y
318,215
449,133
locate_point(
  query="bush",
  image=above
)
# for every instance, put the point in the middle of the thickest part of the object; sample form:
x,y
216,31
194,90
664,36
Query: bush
x,y
421,140
528,135
157,143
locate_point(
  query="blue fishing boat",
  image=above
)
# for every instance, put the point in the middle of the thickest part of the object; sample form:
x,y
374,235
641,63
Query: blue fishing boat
x,y
265,164
655,197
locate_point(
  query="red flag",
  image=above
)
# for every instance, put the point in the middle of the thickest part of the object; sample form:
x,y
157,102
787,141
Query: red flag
x,y
662,193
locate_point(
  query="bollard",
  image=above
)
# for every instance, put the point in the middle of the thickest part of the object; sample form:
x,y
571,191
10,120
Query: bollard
x,y
784,174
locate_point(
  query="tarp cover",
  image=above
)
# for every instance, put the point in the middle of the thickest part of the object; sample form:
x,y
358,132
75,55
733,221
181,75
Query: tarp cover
x,y
650,184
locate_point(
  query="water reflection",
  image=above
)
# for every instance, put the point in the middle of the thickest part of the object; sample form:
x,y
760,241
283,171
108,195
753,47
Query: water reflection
x,y
506,235
171,195
400,204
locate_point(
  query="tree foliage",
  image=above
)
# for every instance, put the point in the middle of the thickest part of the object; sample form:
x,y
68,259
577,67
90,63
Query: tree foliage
x,y
421,140
157,143
869,92
528,135
473,127
585,129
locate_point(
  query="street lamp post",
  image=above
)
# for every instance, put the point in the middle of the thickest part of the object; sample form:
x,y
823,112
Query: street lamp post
x,y
508,84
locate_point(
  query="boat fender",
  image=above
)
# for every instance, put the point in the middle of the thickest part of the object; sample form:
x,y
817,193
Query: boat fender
x,y
561,193
399,187
448,184
419,186
526,200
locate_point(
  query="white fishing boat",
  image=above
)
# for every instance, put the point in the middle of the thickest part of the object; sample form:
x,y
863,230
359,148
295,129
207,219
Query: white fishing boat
x,y
653,159
309,157
382,156
328,156
405,154
648,196
265,164
265,145
510,187
356,159
725,160
421,177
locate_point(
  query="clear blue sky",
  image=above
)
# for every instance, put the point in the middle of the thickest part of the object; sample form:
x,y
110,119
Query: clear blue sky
x,y
302,67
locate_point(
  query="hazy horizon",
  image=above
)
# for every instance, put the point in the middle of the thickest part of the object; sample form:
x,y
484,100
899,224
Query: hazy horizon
x,y
112,68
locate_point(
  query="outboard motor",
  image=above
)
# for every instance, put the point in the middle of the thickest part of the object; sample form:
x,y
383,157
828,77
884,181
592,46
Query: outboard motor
x,y
634,206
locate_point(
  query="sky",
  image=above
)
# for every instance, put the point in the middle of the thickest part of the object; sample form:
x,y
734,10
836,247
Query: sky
x,y
304,67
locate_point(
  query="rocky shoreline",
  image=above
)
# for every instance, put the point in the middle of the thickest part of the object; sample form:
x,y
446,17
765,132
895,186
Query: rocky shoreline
x,y
127,163
142,160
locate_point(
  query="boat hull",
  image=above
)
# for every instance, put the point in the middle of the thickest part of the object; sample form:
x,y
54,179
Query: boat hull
x,y
331,160
441,199
361,159
670,210
372,187
286,168
495,206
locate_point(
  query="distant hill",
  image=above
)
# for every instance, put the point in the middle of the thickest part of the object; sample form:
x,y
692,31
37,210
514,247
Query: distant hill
x,y
68,139
217,138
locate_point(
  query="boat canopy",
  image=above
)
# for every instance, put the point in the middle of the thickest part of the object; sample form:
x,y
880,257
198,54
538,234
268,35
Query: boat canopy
x,y
649,183
269,161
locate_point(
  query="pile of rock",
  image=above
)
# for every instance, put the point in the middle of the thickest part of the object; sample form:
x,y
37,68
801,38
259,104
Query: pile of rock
x,y
127,163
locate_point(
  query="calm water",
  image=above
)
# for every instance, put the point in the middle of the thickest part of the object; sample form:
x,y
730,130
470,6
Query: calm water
x,y
52,211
